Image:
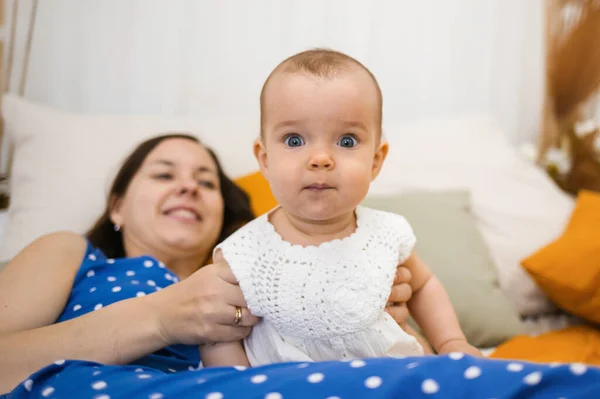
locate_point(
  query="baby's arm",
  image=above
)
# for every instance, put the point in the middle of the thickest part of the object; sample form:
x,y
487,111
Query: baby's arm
x,y
224,354
432,310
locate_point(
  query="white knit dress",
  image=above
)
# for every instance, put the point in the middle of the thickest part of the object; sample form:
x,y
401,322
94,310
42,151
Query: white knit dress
x,y
326,302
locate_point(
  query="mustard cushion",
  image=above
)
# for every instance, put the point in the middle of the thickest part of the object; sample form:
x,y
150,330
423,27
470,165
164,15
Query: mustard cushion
x,y
573,344
568,269
259,191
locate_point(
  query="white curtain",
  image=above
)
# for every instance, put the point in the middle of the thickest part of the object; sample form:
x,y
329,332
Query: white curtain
x,y
433,59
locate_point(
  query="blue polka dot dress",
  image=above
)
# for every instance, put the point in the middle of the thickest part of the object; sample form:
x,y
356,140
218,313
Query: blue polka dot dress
x,y
174,372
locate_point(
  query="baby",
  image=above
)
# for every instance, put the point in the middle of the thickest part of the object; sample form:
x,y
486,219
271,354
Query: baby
x,y
319,267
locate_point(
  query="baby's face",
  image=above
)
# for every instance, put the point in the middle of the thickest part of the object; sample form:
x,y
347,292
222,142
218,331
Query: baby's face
x,y
321,142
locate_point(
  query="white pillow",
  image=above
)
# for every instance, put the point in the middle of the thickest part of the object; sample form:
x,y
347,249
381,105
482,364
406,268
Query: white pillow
x,y
64,163
518,207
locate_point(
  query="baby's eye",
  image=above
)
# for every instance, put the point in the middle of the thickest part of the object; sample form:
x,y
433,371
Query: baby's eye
x,y
293,140
348,141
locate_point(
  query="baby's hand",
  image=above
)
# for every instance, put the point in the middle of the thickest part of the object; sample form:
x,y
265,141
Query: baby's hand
x,y
461,346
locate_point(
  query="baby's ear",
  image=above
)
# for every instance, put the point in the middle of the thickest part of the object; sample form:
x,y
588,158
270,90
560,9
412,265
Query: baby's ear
x,y
260,152
379,157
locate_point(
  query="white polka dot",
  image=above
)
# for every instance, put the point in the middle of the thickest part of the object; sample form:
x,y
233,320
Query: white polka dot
x,y
168,277
172,370
47,392
98,385
201,380
357,363
151,283
103,396
28,385
148,263
59,362
92,289
412,365
555,364
155,396
214,395
472,372
161,265
430,386
90,273
191,368
134,282
303,365
139,370
111,279
578,368
333,397
175,279
130,273
95,373
514,367
273,395
258,379
315,378
456,355
373,382
76,308
110,261
533,378
240,368
98,306
116,289
157,288
141,294
143,376
92,257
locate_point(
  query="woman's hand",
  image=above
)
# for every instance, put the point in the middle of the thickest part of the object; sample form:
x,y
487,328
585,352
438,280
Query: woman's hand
x,y
400,294
202,308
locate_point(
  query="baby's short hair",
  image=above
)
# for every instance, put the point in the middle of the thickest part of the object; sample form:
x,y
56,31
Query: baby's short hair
x,y
320,62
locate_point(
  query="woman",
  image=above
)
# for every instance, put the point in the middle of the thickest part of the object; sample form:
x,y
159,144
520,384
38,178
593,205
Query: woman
x,y
68,297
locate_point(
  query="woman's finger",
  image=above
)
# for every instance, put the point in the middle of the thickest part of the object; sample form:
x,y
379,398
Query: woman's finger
x,y
403,275
228,317
224,271
224,333
400,293
399,313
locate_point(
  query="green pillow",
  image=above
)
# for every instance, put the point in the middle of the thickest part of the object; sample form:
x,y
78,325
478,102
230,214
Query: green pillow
x,y
449,241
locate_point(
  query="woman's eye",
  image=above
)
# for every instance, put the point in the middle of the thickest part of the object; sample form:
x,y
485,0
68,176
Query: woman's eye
x,y
348,141
293,140
163,176
208,184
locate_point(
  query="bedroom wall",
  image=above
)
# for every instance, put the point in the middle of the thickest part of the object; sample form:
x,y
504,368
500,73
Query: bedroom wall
x,y
177,57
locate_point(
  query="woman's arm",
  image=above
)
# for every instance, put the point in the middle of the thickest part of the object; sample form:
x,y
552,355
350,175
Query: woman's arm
x,y
34,288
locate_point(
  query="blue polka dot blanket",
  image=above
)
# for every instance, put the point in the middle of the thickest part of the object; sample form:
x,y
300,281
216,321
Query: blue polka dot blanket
x,y
173,371
449,376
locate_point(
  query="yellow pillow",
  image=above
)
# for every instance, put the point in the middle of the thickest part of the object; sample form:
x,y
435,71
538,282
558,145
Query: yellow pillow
x,y
573,344
259,191
568,269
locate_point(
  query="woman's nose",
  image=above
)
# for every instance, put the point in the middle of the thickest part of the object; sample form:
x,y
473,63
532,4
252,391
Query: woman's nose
x,y
188,187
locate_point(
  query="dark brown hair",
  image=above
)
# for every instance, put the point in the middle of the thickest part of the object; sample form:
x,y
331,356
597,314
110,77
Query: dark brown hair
x,y
236,202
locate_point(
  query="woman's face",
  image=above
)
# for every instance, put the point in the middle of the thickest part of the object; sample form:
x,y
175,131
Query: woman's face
x,y
173,204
